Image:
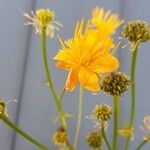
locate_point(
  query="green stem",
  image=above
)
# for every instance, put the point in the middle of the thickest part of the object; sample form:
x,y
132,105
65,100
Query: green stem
x,y
105,139
116,121
133,90
48,77
79,117
62,95
141,145
7,121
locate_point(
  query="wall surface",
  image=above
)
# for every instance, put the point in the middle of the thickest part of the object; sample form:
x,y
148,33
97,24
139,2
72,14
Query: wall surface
x,y
22,78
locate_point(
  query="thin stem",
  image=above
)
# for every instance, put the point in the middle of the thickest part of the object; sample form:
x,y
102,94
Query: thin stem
x,y
105,139
133,90
141,145
62,95
79,117
7,121
48,77
116,121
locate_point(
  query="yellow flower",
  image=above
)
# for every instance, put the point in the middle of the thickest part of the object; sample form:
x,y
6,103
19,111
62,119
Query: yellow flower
x,y
126,132
85,56
105,21
43,18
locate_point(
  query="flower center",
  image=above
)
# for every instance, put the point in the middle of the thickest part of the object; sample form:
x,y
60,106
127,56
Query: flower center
x,y
44,16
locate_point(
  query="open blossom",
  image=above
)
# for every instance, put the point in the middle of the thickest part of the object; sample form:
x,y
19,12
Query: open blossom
x,y
43,18
87,54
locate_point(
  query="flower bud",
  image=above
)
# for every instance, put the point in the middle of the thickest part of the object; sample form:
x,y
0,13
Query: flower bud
x,y
94,139
137,31
44,16
115,83
3,109
60,137
102,112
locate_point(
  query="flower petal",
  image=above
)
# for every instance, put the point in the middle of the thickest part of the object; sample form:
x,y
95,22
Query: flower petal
x,y
63,55
89,80
72,80
63,65
107,63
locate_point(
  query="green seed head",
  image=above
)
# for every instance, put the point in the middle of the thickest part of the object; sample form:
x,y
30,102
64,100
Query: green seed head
x,y
115,83
60,137
102,112
137,31
94,139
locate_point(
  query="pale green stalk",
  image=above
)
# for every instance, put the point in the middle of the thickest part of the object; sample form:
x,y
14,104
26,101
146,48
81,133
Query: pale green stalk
x,y
133,90
79,117
48,78
141,145
105,138
7,121
116,121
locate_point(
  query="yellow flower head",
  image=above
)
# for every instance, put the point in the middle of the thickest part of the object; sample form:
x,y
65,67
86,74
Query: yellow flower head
x,y
43,18
125,132
105,21
102,112
85,56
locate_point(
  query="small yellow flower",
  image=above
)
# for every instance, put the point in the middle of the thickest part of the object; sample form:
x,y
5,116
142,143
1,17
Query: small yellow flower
x,y
43,18
146,127
85,56
126,132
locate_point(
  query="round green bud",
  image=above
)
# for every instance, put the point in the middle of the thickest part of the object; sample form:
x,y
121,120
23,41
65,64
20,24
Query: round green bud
x,y
94,139
102,112
60,137
137,31
115,83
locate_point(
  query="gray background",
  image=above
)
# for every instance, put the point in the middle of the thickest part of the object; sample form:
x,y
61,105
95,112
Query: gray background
x,y
21,71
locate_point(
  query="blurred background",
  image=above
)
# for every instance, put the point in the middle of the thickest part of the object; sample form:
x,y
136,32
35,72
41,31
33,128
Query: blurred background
x,y
22,77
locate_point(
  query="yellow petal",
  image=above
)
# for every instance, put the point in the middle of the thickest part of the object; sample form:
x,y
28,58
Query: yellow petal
x,y
72,80
63,65
107,63
89,80
63,55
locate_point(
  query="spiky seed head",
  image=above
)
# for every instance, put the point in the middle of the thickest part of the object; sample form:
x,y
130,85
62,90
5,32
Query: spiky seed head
x,y
115,83
137,31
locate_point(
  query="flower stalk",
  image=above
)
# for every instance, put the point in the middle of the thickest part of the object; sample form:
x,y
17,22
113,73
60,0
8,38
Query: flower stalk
x,y
79,116
48,77
105,138
141,145
8,122
116,121
133,90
